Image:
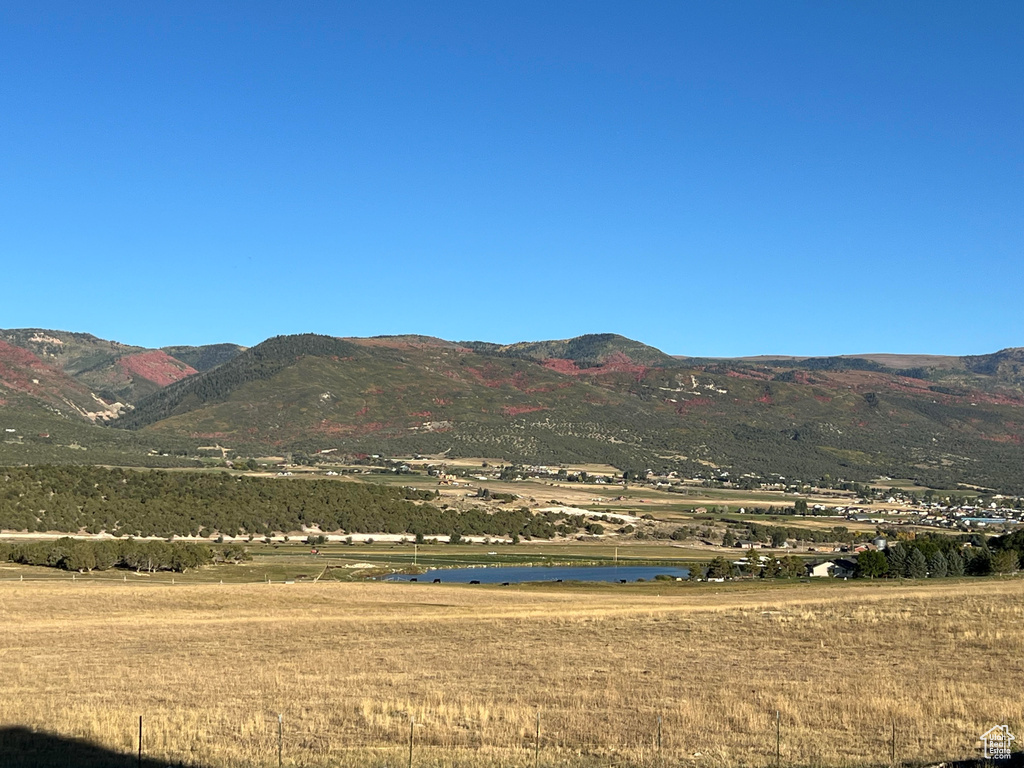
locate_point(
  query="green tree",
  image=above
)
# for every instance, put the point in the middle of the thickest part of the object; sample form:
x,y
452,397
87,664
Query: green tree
x,y
753,564
871,564
979,562
955,562
917,564
720,568
1005,561
897,556
938,566
792,567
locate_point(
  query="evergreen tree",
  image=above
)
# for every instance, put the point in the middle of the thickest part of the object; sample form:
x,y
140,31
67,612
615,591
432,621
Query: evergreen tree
x,y
979,562
792,567
917,564
955,563
1005,561
938,566
753,565
720,568
897,556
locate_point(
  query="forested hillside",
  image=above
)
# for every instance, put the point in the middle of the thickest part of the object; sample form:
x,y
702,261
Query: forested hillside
x,y
154,503
838,417
941,421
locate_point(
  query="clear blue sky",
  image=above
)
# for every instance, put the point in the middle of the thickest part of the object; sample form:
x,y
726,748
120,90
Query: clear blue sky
x,y
712,178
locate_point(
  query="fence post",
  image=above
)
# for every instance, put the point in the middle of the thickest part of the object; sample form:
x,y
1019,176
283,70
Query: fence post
x,y
280,739
778,738
893,748
412,731
536,744
140,741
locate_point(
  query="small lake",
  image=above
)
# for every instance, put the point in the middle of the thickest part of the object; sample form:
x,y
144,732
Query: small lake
x,y
519,574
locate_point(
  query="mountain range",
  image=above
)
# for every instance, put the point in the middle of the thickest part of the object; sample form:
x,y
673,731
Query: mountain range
x,y
940,420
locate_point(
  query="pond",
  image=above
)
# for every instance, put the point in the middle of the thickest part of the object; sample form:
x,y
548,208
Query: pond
x,y
519,574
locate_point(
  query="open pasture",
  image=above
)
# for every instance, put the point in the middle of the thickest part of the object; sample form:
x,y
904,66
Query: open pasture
x,y
210,666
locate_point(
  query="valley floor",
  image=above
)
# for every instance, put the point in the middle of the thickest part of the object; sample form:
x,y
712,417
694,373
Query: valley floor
x,y
347,665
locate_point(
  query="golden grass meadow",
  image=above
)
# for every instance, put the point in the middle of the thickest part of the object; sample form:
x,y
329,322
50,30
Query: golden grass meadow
x,y
348,665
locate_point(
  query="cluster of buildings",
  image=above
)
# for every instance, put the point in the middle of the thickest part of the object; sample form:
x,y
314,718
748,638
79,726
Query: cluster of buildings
x,y
959,518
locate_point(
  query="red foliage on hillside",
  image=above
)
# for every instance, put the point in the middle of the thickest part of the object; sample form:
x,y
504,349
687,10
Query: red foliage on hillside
x,y
617,362
693,402
1015,439
326,427
557,364
22,371
515,410
17,367
756,375
488,376
155,366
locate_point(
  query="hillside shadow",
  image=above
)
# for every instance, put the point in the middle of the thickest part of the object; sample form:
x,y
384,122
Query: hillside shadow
x,y
23,748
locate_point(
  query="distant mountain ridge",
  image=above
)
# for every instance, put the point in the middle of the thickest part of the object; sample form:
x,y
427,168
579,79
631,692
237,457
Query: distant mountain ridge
x,y
115,372
595,398
588,351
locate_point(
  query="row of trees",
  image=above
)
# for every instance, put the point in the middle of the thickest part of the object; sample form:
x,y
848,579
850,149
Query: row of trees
x,y
778,535
905,560
927,556
80,555
789,567
164,504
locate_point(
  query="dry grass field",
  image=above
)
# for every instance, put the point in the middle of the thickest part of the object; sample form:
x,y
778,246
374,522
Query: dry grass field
x,y
210,666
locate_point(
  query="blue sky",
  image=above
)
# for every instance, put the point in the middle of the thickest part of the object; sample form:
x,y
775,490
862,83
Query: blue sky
x,y
710,178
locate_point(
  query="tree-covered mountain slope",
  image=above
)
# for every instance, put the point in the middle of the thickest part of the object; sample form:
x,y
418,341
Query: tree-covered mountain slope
x,y
855,419
204,357
594,350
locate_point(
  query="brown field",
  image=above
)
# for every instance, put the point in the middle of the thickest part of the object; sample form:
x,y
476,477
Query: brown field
x,y
210,666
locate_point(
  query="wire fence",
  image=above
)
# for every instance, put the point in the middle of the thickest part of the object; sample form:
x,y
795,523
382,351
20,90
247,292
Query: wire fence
x,y
288,739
